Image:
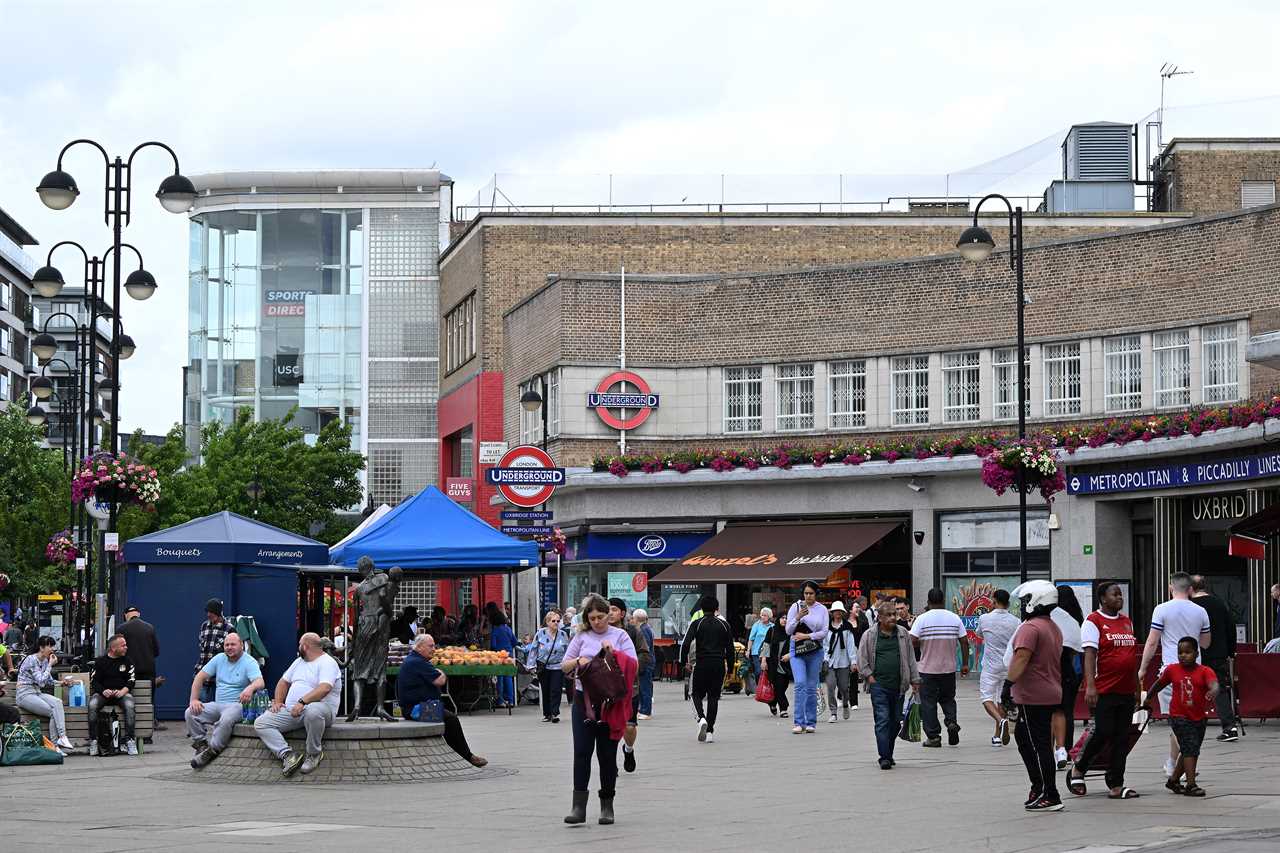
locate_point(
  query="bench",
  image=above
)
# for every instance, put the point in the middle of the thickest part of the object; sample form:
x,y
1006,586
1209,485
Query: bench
x,y
78,718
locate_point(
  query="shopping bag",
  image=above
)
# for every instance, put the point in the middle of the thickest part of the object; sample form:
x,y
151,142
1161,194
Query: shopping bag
x,y
913,723
764,688
430,711
22,744
76,699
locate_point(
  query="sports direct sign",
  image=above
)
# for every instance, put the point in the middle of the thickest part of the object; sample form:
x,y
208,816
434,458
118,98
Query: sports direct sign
x,y
615,392
526,476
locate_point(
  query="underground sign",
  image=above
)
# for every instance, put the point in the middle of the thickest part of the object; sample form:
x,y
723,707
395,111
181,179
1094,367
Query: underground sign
x,y
643,400
526,476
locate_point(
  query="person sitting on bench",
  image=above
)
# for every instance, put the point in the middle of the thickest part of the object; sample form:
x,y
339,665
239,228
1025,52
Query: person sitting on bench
x,y
419,681
34,674
237,676
113,679
307,696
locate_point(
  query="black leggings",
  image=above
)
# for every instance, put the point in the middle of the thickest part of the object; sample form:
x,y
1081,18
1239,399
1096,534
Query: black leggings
x,y
1034,735
780,682
592,737
708,680
1111,720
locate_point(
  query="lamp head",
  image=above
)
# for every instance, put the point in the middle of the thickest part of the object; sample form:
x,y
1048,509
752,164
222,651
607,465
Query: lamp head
x,y
44,346
58,190
531,401
176,193
976,244
42,387
36,416
48,281
98,417
140,284
127,347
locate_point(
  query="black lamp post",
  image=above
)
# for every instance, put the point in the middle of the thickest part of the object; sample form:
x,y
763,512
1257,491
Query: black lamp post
x,y
58,191
533,401
255,492
977,244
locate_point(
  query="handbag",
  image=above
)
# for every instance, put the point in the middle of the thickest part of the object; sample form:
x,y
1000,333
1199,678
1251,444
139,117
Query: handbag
x,y
430,711
764,688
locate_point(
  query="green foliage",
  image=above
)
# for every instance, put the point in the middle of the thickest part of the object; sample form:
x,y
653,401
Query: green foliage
x,y
34,505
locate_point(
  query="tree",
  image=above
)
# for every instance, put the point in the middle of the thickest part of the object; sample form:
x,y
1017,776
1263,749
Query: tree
x,y
34,505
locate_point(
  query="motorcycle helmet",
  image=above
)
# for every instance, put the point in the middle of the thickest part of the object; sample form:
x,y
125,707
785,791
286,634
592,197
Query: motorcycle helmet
x,y
1037,596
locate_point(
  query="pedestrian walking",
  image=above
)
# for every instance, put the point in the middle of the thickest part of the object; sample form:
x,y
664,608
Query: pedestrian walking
x,y
996,628
710,639
1194,687
887,664
937,633
1036,673
1220,654
591,734
543,656
775,655
1111,691
807,622
644,658
640,618
755,641
1068,616
842,651
1176,618
503,639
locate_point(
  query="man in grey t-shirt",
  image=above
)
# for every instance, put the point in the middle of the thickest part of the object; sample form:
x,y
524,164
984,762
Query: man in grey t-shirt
x,y
1177,618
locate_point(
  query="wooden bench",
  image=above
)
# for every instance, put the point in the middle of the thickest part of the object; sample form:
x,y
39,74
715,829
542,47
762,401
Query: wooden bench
x,y
78,718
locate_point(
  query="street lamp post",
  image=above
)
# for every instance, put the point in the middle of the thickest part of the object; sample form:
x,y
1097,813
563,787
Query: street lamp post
x,y
254,491
977,244
58,191
534,401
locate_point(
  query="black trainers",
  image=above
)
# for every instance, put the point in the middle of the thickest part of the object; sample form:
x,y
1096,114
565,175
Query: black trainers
x,y
953,734
1229,736
886,764
1032,797
629,760
199,745
1043,805
932,743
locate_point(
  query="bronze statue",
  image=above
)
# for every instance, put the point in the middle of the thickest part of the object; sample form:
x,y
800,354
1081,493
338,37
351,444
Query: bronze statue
x,y
376,595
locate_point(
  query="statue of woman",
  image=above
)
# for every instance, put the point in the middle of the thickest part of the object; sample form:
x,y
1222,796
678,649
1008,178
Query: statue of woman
x,y
375,597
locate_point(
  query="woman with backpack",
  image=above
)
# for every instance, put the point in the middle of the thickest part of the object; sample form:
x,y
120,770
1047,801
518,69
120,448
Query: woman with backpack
x,y
544,657
597,725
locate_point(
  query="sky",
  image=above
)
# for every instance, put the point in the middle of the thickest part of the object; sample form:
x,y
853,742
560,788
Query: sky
x,y
780,98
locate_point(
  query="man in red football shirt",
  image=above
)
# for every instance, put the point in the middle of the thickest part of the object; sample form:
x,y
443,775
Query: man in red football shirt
x,y
1110,690
1195,686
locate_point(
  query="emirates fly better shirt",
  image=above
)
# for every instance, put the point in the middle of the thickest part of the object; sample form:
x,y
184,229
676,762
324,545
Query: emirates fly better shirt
x,y
1112,638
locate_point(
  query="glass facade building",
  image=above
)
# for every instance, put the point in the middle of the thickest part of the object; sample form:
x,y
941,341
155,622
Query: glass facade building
x,y
315,295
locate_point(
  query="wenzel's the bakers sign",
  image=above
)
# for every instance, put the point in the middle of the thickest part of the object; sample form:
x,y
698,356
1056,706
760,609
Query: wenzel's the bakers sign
x,y
623,400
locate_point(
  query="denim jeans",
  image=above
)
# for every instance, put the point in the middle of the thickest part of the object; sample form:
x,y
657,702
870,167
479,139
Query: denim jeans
x,y
886,707
805,671
646,691
506,690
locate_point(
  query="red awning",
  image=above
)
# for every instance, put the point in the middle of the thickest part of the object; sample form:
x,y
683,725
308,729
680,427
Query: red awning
x,y
1249,536
771,553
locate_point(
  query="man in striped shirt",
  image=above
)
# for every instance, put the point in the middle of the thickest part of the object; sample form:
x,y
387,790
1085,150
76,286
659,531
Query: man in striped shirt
x,y
937,633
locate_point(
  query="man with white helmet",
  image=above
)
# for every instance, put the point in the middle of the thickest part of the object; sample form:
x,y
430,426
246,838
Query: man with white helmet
x,y
1036,673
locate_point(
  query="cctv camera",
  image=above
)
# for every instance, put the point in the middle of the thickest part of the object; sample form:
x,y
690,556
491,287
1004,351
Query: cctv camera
x,y
915,485
919,537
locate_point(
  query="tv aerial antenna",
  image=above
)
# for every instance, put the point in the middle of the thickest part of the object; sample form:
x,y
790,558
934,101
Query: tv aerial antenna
x,y
1167,72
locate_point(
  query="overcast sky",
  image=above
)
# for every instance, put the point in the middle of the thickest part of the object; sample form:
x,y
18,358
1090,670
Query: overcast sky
x,y
544,88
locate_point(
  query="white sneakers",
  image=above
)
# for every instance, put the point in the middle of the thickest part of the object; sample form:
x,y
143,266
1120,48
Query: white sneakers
x,y
834,718
93,748
644,716
711,738
1060,755
131,747
64,743
702,731
809,730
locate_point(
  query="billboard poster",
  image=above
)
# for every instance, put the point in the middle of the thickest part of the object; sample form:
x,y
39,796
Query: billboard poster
x,y
285,303
970,597
631,587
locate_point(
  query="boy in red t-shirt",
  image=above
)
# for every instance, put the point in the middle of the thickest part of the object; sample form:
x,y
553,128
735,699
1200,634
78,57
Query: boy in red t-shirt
x,y
1195,686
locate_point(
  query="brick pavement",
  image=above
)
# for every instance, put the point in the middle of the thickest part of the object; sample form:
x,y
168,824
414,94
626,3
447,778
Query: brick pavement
x,y
757,787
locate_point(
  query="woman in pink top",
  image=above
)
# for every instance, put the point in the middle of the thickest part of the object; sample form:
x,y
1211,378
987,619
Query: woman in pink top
x,y
595,633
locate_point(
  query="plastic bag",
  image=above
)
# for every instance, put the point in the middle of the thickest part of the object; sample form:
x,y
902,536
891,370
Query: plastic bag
x,y
76,698
913,723
764,688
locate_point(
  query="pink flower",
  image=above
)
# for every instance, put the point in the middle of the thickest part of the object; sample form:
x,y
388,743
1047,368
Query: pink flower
x,y
892,456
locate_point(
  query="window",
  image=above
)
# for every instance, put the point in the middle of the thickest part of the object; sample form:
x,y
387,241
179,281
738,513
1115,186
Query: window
x,y
961,383
910,390
4,386
1062,379
1004,380
5,298
460,334
1123,357
62,309
1256,193
553,402
1171,352
847,381
742,399
795,397
6,341
530,422
1220,364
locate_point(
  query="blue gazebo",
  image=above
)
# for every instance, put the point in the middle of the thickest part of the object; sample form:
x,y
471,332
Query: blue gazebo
x,y
252,567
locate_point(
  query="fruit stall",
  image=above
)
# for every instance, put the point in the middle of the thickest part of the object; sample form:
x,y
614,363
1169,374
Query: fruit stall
x,y
471,673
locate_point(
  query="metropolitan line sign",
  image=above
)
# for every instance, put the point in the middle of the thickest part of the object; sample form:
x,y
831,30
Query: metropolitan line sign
x,y
1176,476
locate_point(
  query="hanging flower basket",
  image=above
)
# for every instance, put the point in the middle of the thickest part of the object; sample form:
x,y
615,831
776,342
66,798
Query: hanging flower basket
x,y
555,542
4,581
61,549
115,479
1000,466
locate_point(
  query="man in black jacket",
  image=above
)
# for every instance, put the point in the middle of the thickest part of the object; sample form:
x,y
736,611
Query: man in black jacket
x,y
112,684
714,655
143,647
1219,653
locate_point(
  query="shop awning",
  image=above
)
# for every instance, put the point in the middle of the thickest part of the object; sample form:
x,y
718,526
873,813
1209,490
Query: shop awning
x,y
1249,536
773,553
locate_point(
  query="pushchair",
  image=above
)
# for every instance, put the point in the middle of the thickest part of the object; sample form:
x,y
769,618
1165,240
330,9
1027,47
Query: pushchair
x,y
1137,727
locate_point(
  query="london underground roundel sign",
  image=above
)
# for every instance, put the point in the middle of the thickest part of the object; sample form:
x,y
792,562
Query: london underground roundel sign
x,y
526,476
642,400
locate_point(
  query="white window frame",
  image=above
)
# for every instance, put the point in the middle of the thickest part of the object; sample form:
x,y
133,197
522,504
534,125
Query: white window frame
x,y
1004,385
961,387
746,384
4,386
460,334
1171,368
909,389
1220,363
794,397
1257,193
847,394
1122,374
530,422
1062,372
553,402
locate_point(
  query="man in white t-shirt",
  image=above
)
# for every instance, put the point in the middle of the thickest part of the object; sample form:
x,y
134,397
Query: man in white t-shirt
x,y
937,633
1177,618
996,628
307,696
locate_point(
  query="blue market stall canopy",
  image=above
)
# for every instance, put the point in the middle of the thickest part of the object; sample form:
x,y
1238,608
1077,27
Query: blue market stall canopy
x,y
431,532
224,538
